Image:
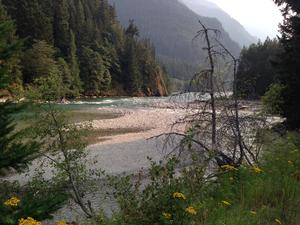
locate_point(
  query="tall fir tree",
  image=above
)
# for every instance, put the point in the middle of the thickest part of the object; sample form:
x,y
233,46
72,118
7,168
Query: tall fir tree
x,y
61,27
131,68
289,66
13,153
17,151
9,50
92,71
76,84
39,61
33,18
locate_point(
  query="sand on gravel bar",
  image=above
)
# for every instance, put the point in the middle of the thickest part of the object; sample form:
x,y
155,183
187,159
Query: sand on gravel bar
x,y
154,121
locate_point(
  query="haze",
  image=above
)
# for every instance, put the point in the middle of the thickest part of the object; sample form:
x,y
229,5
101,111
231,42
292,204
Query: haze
x,y
259,17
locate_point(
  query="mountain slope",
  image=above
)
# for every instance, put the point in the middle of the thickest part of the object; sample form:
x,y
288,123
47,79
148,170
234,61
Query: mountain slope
x,y
171,26
84,46
236,31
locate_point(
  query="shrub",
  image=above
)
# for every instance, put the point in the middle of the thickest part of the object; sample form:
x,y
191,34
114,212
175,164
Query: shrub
x,y
264,194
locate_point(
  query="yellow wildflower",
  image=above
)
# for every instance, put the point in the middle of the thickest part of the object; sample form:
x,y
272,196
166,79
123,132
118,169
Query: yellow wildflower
x,y
278,221
61,222
29,221
253,212
167,216
226,203
257,169
191,210
179,195
228,167
12,202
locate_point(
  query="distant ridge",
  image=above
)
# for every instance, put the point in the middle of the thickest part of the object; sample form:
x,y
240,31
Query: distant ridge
x,y
235,30
171,26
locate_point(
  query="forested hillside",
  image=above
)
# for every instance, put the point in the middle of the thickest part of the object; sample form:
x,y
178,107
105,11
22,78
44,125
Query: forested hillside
x,y
235,30
256,71
82,43
171,26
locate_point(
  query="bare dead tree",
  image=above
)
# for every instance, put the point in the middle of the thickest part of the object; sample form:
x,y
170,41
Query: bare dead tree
x,y
215,125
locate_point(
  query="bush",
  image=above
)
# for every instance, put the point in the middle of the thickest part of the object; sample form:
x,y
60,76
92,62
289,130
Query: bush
x,y
272,100
264,194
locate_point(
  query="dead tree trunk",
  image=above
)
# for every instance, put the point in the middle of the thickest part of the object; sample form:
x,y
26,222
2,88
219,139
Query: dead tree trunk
x,y
209,50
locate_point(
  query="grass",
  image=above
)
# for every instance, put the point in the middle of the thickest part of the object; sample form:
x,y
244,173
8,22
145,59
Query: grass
x,y
265,198
267,194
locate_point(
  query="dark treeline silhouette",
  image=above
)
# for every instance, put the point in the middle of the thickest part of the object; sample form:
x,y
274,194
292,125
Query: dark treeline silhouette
x,y
274,66
289,64
256,72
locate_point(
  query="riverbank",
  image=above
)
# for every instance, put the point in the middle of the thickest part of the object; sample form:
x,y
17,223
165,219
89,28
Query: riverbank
x,y
120,142
148,121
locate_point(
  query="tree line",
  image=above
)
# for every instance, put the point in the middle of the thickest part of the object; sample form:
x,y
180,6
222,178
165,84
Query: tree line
x,y
271,69
83,44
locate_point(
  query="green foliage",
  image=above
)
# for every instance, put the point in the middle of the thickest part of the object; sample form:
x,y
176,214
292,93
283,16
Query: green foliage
x,y
39,61
273,100
17,148
33,201
266,194
15,151
93,72
289,64
164,200
75,84
261,197
86,35
64,143
131,67
9,49
132,31
255,72
33,17
48,89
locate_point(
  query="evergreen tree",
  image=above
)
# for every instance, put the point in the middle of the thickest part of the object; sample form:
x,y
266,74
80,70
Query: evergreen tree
x,y
289,65
76,84
61,28
39,61
17,151
9,49
66,29
132,31
33,18
131,68
13,153
66,76
92,72
255,72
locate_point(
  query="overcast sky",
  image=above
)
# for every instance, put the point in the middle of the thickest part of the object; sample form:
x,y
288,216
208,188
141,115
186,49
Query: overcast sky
x,y
259,17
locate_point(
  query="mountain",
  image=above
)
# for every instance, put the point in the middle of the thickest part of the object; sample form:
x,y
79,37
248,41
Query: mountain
x,y
171,26
82,45
235,30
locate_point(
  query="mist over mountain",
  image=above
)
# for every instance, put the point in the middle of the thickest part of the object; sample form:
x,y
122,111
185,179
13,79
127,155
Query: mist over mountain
x,y
171,26
235,30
